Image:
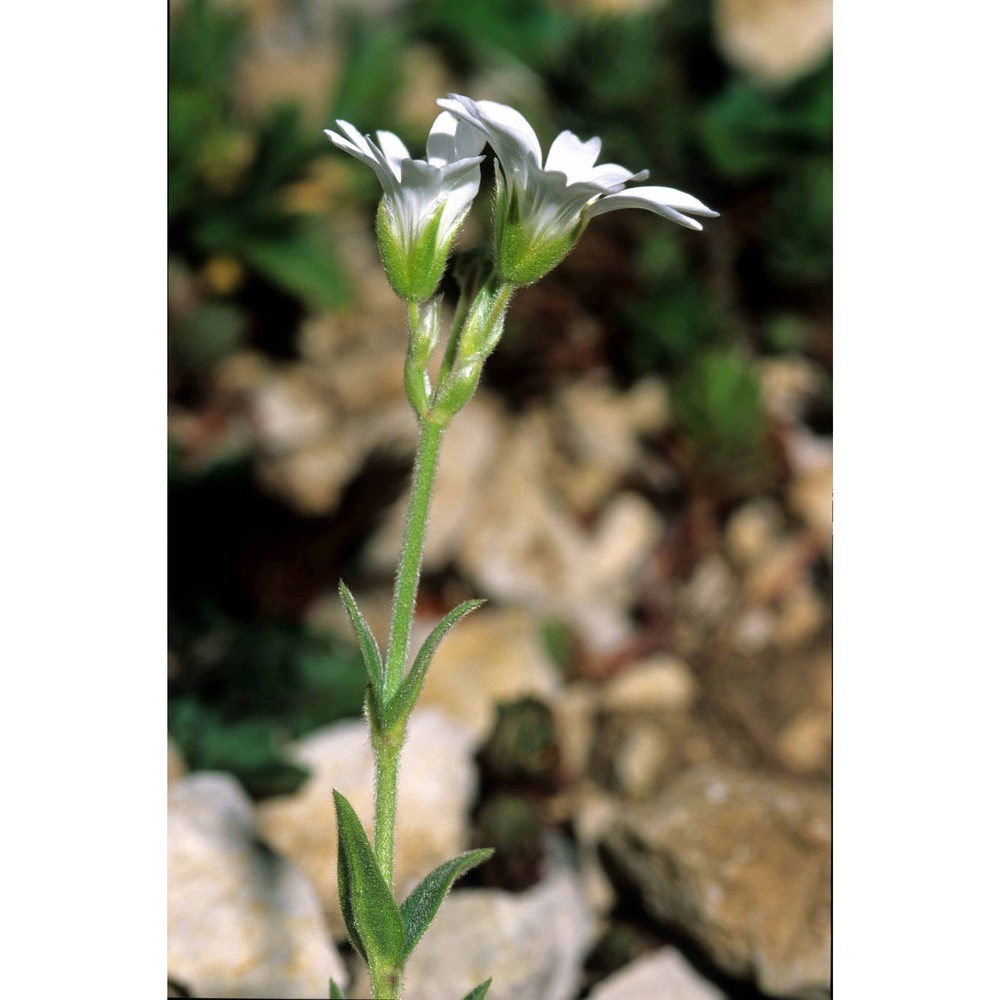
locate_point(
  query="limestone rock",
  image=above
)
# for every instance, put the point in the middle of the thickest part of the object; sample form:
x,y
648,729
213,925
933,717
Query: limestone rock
x,y
774,40
176,765
787,385
506,512
658,682
468,455
436,788
660,975
601,427
742,864
533,944
753,530
489,657
242,920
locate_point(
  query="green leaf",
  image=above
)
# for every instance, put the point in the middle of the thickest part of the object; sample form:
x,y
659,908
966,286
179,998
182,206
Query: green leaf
x,y
409,691
302,264
479,992
420,906
335,993
369,651
373,920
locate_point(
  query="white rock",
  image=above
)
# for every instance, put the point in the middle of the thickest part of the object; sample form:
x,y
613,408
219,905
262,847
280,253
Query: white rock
x,y
488,658
660,975
533,944
742,863
176,765
436,788
242,920
657,683
774,39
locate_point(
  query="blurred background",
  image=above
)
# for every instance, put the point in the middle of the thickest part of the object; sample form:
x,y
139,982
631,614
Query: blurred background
x,y
639,719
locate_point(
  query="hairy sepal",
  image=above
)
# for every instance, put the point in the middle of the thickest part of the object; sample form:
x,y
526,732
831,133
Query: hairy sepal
x,y
518,258
414,269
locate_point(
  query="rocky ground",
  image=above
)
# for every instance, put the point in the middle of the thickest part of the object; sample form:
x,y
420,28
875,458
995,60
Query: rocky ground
x,y
639,719
657,775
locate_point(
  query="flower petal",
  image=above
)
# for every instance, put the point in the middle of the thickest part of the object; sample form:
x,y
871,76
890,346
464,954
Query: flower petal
x,y
662,200
347,146
612,176
441,140
572,156
352,133
394,149
507,131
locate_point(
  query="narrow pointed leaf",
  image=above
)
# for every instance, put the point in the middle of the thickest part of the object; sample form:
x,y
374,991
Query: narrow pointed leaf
x,y
372,917
369,648
335,993
420,906
479,992
409,691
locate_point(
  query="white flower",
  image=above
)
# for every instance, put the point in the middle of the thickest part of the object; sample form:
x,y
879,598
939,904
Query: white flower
x,y
425,200
541,210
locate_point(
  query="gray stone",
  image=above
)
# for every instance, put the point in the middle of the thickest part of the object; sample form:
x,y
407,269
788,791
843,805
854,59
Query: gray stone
x,y
242,920
532,944
742,864
660,975
437,783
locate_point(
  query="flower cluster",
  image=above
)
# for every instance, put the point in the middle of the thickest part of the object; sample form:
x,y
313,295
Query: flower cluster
x,y
425,201
539,212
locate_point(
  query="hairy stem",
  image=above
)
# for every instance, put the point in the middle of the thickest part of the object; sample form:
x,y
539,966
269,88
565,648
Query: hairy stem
x,y
388,745
404,595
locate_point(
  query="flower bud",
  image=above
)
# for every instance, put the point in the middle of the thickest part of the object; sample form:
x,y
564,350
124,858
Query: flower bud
x,y
456,390
425,326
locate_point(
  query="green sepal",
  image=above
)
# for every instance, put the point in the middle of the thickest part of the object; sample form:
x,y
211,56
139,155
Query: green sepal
x,y
335,993
456,390
373,920
518,259
480,991
405,698
369,653
425,328
483,326
419,907
414,271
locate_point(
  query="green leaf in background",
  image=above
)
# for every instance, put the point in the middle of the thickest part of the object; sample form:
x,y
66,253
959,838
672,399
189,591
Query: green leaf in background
x,y
750,129
369,649
719,406
210,333
373,920
530,30
335,993
799,230
480,991
420,906
204,45
409,691
247,748
370,78
304,265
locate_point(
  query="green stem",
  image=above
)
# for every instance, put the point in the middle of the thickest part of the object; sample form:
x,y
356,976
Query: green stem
x,y
404,595
386,782
388,745
385,983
